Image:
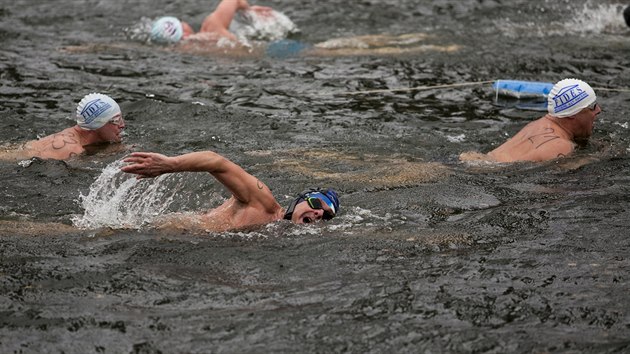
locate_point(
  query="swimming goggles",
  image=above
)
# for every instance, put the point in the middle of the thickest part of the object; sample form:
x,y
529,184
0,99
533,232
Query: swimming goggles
x,y
117,120
316,203
592,106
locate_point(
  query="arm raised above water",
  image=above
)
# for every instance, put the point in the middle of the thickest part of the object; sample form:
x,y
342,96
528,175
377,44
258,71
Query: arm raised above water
x,y
243,186
219,20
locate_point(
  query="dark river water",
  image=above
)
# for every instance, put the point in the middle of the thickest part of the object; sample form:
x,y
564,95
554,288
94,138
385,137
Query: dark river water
x,y
429,254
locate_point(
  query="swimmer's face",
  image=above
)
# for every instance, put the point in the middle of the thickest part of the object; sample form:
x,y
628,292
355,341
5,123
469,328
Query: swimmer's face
x,y
586,120
112,131
304,214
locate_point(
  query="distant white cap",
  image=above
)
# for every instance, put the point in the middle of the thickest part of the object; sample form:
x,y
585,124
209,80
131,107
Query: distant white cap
x,y
568,97
167,29
95,110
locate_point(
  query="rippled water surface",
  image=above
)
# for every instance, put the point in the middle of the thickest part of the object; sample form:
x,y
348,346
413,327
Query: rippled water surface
x,y
428,255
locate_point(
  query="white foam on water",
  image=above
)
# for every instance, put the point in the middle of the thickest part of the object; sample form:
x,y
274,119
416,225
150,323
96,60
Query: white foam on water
x,y
589,19
118,200
456,138
250,25
140,31
598,19
355,216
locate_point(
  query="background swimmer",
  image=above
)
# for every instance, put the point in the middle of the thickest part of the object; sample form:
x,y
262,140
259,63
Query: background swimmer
x,y
214,27
99,123
572,113
251,204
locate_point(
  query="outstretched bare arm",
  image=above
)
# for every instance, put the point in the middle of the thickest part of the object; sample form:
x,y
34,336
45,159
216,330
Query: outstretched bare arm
x,y
219,20
243,186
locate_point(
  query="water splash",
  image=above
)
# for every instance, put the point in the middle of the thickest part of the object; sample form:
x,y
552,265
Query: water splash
x,y
250,25
589,19
118,200
598,19
141,31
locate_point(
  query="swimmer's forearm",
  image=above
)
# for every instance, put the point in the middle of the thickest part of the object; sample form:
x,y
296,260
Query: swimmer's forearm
x,y
149,164
202,161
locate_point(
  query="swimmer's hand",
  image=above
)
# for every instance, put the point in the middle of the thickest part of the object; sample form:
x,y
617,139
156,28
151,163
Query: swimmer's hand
x,y
242,5
148,164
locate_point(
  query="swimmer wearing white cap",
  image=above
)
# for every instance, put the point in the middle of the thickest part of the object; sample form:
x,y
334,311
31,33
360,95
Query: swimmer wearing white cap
x,y
99,123
166,30
573,109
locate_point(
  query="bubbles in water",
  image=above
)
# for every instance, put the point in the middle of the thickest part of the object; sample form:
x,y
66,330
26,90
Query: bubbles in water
x,y
118,200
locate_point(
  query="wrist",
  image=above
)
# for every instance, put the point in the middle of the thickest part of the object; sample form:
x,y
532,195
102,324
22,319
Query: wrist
x,y
174,164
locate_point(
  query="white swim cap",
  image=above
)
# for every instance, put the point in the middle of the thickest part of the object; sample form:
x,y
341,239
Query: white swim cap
x,y
167,29
568,97
95,110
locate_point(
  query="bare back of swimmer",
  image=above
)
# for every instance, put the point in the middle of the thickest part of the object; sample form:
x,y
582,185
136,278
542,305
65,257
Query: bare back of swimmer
x,y
572,113
99,124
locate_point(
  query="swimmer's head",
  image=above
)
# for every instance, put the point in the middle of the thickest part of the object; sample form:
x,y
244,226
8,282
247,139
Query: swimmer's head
x,y
95,110
568,97
167,29
626,15
312,205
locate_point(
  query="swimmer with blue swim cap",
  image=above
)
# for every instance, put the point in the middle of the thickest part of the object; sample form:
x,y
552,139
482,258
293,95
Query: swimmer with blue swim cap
x,y
312,205
169,30
572,110
99,124
252,204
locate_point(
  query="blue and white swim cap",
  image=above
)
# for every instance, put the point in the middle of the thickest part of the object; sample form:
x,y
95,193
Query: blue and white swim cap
x,y
568,97
95,110
167,29
328,196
